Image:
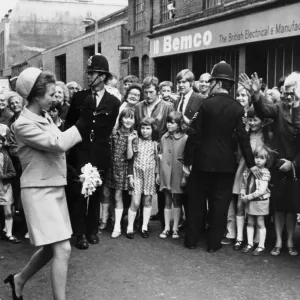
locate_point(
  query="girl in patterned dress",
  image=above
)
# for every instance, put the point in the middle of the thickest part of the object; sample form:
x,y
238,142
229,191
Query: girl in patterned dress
x,y
255,195
143,150
117,174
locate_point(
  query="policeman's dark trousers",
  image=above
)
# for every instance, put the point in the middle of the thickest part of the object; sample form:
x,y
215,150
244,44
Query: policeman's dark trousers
x,y
217,188
84,222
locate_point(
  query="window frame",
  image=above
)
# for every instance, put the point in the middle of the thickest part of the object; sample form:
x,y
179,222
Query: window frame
x,y
209,4
139,15
164,14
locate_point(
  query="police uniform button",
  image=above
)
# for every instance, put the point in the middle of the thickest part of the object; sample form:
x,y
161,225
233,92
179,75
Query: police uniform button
x,y
94,121
169,151
64,176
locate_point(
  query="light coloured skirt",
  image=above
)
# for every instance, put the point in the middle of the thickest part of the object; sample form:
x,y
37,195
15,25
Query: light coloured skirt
x,y
47,214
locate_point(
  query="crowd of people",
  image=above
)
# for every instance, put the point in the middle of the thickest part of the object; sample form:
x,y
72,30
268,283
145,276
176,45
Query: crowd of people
x,y
214,161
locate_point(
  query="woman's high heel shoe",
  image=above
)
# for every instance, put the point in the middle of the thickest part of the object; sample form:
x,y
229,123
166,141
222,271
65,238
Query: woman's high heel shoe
x,y
10,280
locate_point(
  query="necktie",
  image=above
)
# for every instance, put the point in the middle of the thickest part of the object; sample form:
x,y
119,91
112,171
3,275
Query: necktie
x,y
181,105
95,99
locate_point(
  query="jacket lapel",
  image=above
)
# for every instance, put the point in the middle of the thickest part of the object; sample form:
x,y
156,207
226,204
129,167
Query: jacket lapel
x,y
189,104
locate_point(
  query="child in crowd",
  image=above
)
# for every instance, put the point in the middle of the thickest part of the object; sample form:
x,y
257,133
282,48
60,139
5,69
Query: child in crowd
x,y
117,174
171,177
258,137
7,173
143,150
255,195
165,90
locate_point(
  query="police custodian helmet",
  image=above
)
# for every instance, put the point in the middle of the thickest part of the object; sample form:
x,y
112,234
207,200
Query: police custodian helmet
x,y
98,63
223,71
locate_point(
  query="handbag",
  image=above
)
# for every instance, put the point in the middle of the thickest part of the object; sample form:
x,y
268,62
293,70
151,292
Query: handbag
x,y
286,191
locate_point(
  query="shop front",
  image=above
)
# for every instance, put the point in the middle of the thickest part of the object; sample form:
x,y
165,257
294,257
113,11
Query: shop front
x,y
265,42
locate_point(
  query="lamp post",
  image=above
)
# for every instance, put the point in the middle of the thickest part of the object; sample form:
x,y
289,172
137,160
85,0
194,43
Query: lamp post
x,y
90,20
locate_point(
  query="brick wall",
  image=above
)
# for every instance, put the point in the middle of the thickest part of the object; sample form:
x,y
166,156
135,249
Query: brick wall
x,y
192,10
76,57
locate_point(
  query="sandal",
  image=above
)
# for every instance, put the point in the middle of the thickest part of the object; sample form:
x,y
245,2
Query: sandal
x,y
259,251
175,235
165,234
248,248
103,226
292,251
276,251
115,234
238,245
12,239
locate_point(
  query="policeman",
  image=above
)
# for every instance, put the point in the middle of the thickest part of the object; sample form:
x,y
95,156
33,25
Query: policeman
x,y
210,155
99,110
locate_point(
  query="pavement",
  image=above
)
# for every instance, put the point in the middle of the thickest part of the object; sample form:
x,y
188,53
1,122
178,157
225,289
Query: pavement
x,y
156,269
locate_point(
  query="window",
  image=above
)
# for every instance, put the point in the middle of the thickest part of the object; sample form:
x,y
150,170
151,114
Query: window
x,y
60,67
145,66
164,14
138,15
135,66
212,3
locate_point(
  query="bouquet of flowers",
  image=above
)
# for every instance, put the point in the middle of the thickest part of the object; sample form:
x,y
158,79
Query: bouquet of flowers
x,y
90,179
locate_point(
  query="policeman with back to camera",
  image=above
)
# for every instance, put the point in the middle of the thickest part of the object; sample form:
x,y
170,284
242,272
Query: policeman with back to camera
x,y
99,109
210,155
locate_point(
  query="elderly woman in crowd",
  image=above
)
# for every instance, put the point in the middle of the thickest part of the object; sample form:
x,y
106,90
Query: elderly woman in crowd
x,y
62,96
73,88
5,113
15,104
286,141
41,148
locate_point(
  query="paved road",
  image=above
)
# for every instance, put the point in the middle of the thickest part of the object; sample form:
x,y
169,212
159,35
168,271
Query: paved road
x,y
155,269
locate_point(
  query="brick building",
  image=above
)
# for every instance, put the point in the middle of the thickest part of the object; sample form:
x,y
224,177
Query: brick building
x,y
68,60
252,35
35,25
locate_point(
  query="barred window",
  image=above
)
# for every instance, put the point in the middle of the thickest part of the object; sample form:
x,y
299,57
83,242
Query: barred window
x,y
138,15
164,14
212,3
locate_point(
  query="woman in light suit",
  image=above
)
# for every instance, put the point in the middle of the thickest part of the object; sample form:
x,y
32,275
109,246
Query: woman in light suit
x,y
41,149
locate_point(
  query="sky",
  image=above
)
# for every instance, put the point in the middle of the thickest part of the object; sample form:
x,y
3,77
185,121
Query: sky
x,y
5,5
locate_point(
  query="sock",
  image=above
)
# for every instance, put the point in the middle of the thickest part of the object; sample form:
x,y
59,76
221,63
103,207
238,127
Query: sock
x,y
177,213
131,218
240,221
8,226
167,213
118,217
256,237
146,217
262,237
101,210
250,234
105,213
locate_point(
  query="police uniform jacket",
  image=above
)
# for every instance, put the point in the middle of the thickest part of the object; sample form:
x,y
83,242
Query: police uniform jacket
x,y
99,122
211,145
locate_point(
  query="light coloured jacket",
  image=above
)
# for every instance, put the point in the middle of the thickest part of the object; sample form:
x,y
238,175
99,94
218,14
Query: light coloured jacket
x,y
41,149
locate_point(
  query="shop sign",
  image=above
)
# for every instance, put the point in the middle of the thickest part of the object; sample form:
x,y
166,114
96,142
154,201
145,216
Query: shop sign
x,y
267,25
125,48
